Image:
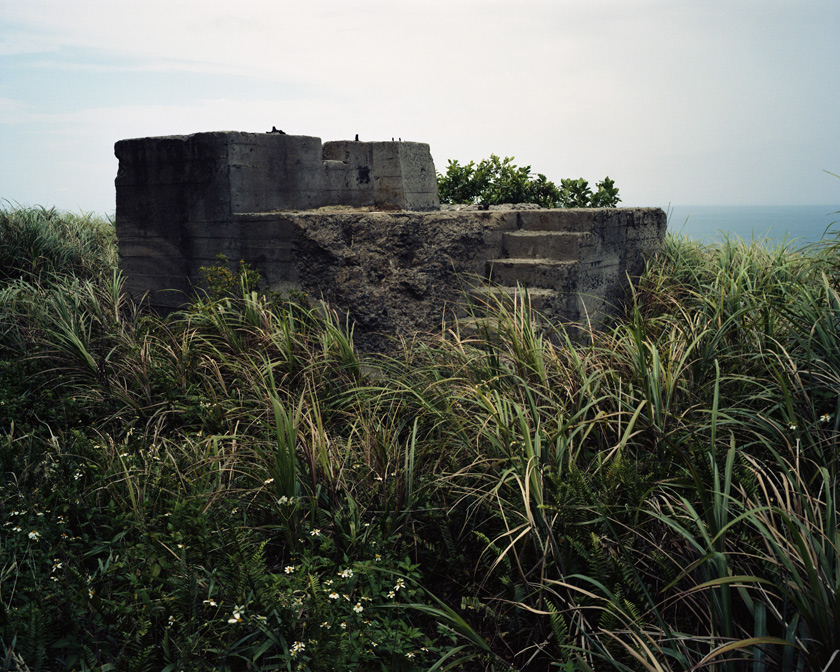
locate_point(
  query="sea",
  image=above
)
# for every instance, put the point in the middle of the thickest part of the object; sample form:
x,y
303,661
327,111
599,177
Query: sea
x,y
796,225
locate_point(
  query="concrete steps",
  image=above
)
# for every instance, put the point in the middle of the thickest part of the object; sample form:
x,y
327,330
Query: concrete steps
x,y
542,264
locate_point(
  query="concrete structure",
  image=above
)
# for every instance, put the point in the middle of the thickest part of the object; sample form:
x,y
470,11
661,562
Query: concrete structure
x,y
359,224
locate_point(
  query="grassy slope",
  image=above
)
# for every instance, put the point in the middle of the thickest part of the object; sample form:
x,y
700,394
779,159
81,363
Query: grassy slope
x,y
236,484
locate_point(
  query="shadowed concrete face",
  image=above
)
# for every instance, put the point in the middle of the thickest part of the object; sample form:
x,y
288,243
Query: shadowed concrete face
x,y
261,172
378,257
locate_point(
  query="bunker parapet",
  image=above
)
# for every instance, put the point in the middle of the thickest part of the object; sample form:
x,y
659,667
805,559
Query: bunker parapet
x,y
359,224
211,176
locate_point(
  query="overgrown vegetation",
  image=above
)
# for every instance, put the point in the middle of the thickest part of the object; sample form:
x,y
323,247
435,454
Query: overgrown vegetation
x,y
495,181
234,487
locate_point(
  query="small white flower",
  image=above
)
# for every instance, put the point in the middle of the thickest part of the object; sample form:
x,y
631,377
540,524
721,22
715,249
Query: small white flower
x,y
346,573
400,584
326,625
377,558
410,655
334,596
283,500
236,617
358,608
289,569
268,480
297,647
793,426
343,625
825,417
315,533
391,594
91,593
16,529
34,535
211,602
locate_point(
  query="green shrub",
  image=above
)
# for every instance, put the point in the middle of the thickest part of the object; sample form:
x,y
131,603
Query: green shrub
x,y
495,181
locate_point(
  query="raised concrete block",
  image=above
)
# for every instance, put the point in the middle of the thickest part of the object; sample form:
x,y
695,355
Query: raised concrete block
x,y
273,171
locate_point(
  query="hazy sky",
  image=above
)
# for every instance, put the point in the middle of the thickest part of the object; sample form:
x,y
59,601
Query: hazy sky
x,y
679,101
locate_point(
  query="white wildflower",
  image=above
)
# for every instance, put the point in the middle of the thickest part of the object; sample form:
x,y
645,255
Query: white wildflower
x,y
297,647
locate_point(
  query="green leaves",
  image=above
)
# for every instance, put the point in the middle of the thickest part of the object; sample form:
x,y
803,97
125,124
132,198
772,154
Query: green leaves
x,y
495,181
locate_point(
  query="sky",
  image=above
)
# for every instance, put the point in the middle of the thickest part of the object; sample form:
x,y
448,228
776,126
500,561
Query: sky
x,y
702,102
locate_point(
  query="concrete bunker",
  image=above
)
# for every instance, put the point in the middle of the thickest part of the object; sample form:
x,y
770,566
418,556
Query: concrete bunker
x,y
359,224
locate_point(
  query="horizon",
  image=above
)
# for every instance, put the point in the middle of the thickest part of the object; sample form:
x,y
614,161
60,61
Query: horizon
x,y
678,102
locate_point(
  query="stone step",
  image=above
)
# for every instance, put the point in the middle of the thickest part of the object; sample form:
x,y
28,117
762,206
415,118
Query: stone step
x,y
540,299
562,219
546,244
480,327
559,275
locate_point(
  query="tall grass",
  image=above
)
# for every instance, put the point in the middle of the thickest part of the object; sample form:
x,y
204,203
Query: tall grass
x,y
237,487
38,242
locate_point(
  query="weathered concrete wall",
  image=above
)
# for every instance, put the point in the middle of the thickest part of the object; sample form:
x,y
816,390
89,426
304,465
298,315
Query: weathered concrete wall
x,y
382,251
177,196
403,272
399,175
261,172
